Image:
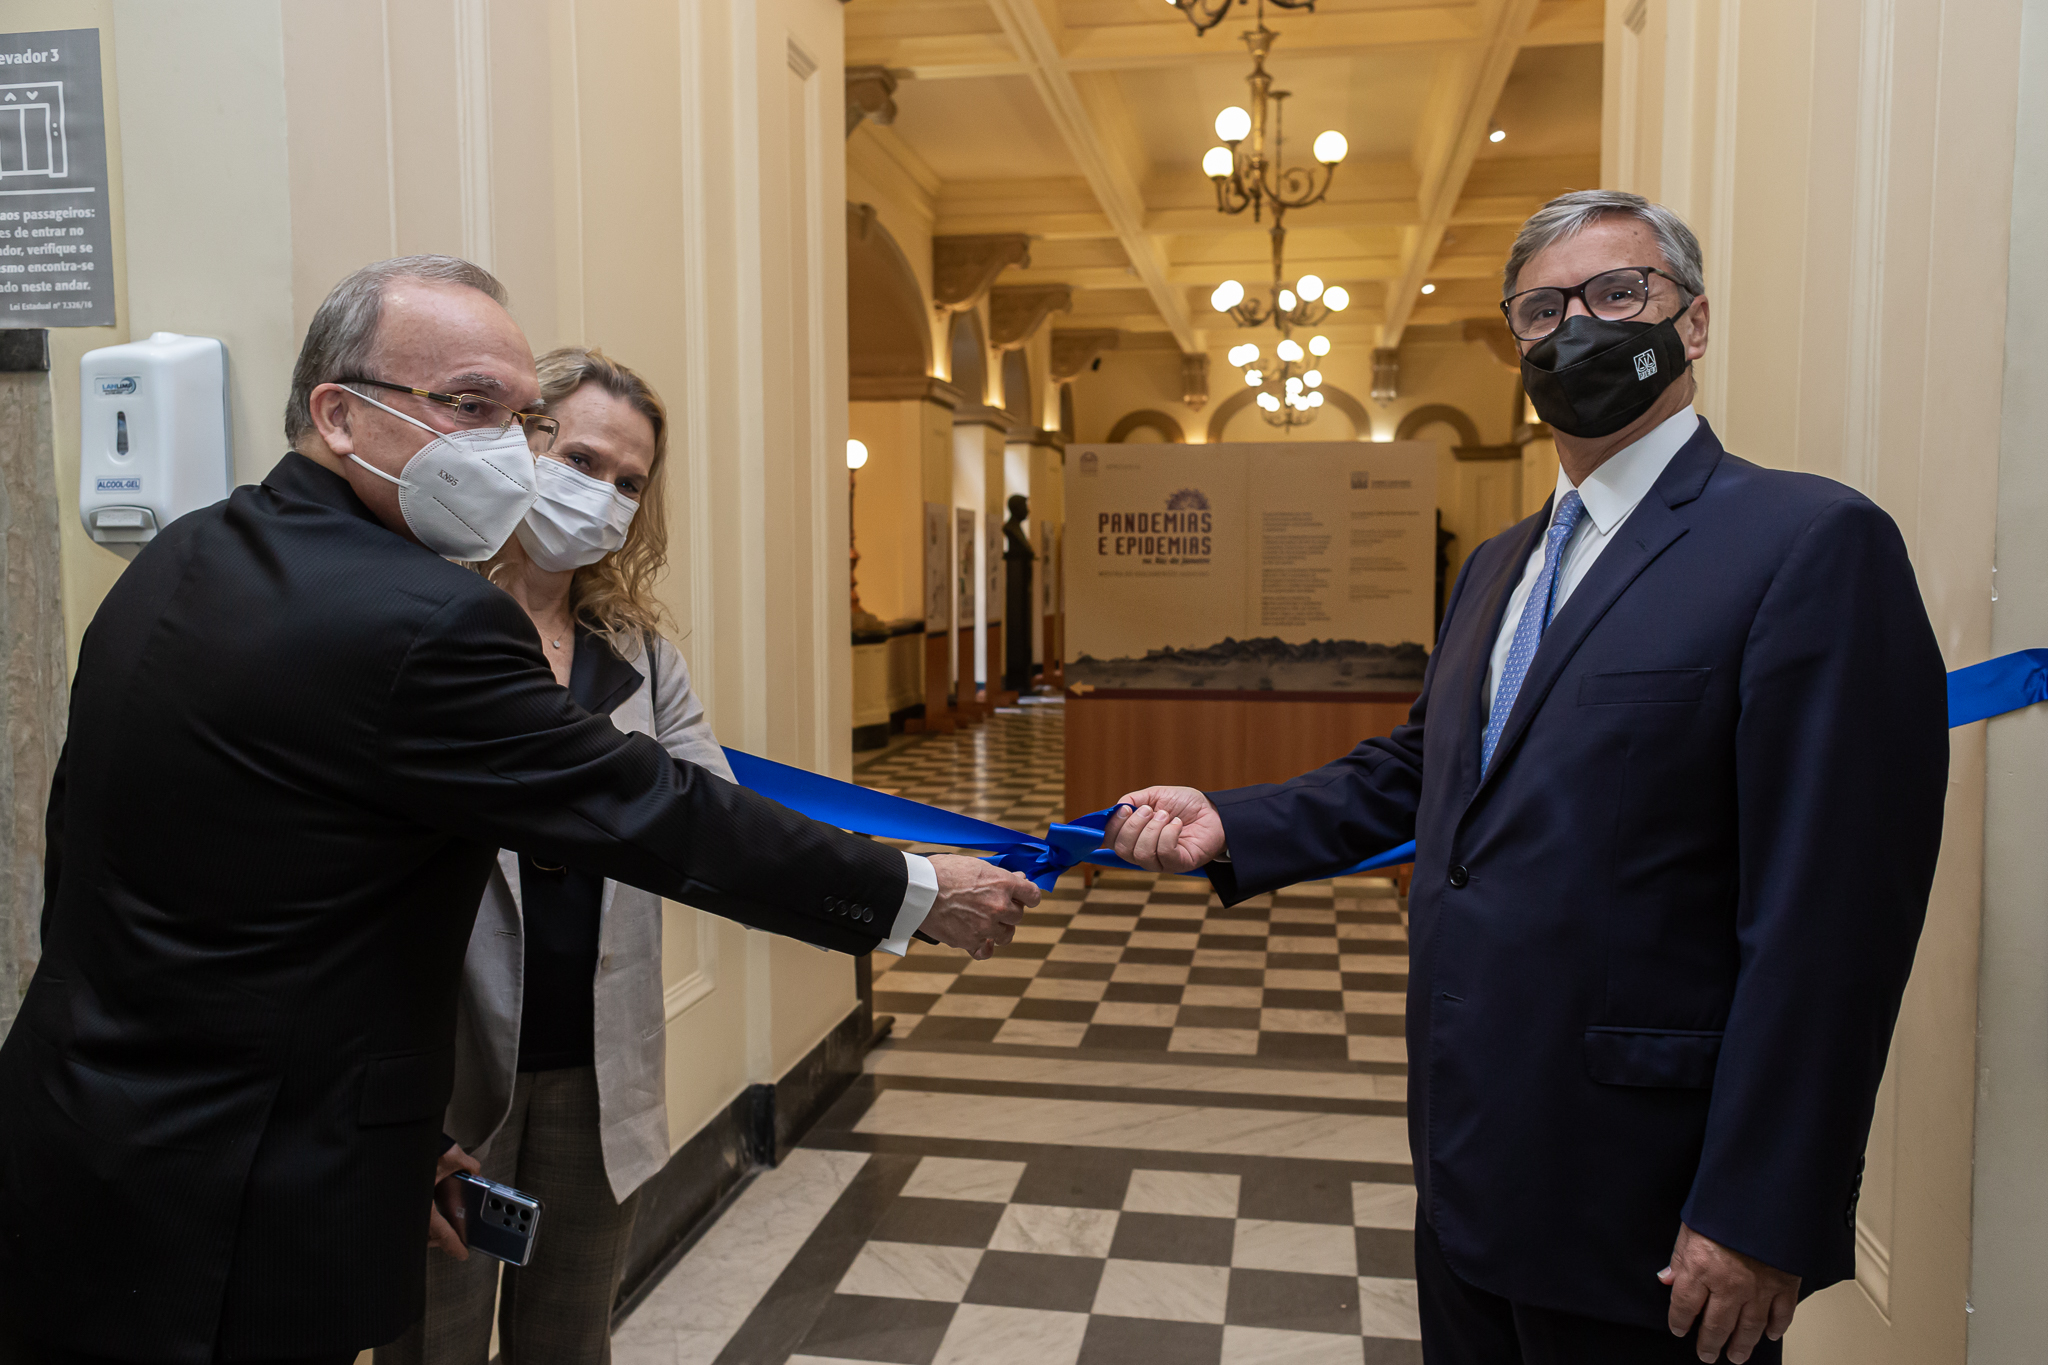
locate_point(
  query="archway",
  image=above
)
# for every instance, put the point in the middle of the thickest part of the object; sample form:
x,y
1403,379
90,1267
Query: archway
x,y
887,336
969,352
1017,397
1431,413
1146,419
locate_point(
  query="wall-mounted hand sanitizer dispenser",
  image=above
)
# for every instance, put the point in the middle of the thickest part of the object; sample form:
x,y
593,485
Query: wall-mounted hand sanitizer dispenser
x,y
153,425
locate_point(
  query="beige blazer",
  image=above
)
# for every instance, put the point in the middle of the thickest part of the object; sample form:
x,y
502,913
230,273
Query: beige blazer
x,y
631,1020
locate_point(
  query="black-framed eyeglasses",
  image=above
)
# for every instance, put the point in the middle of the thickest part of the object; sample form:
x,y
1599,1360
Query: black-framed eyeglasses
x,y
473,411
1612,295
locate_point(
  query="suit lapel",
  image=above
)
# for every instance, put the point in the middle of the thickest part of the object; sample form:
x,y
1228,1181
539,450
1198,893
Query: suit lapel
x,y
1646,534
600,679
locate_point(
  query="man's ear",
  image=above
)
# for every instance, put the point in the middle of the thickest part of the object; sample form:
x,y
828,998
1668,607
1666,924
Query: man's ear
x,y
1692,328
330,407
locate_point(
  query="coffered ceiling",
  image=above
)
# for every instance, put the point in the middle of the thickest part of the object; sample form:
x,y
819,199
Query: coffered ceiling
x,y
1083,123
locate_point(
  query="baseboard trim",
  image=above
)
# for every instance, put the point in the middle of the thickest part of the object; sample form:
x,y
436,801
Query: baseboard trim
x,y
683,1199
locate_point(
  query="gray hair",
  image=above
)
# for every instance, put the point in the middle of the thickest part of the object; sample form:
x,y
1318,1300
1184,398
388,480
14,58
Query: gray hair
x,y
1569,214
344,329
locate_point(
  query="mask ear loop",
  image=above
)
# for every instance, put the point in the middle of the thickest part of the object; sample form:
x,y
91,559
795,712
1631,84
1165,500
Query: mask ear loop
x,y
390,478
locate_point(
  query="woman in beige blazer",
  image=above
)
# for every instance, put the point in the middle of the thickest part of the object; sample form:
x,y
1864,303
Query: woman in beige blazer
x,y
559,1040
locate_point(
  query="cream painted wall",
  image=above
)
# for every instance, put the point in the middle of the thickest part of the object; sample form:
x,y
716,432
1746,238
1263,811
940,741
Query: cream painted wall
x,y
211,255
664,180
1848,166
2009,1219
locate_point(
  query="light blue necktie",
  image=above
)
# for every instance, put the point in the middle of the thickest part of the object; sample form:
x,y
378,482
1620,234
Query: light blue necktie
x,y
1536,614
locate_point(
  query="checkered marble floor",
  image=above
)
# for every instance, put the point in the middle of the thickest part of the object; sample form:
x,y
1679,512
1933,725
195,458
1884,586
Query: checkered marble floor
x,y
1151,1130
1138,962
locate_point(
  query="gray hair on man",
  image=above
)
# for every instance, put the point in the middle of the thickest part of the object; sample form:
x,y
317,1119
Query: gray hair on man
x,y
344,329
1569,214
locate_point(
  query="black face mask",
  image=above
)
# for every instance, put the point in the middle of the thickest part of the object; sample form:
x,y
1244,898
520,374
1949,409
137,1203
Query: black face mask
x,y
1592,377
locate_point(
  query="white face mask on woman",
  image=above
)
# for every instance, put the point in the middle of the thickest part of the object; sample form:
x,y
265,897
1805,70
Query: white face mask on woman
x,y
576,520
463,492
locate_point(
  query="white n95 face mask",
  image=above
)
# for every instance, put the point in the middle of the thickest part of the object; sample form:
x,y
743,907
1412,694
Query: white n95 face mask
x,y
576,520
463,492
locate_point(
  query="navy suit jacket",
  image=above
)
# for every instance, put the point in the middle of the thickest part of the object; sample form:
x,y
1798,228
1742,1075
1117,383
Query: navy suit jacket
x,y
1658,948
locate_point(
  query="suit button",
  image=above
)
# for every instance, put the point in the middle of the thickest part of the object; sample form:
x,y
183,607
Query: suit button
x,y
1459,876
867,916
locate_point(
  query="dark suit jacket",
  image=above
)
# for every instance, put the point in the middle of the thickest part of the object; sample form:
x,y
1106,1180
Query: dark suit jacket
x,y
297,742
1658,948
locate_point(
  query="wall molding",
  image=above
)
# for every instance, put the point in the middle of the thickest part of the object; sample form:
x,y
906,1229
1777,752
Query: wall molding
x,y
1874,1270
473,129
693,989
1863,420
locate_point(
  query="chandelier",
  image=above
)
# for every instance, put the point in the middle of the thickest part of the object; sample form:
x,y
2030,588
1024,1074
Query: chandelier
x,y
1206,14
1248,177
1290,385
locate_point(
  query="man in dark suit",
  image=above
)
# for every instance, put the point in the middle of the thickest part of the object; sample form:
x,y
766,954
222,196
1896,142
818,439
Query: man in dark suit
x,y
1675,780
298,738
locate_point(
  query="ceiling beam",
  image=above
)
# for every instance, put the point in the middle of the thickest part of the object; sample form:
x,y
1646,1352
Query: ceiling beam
x,y
1174,43
1111,177
1450,160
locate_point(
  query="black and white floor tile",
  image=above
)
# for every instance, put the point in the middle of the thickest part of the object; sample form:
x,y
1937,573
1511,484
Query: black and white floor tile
x,y
1153,1130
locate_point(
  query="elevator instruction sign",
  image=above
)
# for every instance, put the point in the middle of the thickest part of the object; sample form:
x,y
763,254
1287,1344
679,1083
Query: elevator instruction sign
x,y
56,232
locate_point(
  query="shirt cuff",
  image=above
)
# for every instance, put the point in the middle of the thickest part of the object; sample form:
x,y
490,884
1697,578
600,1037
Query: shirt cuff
x,y
918,895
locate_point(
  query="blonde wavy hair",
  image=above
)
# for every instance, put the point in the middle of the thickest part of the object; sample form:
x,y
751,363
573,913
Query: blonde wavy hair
x,y
615,596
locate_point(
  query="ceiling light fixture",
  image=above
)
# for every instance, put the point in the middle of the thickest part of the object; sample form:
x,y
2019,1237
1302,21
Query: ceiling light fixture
x,y
1497,135
1429,289
1206,14
1250,174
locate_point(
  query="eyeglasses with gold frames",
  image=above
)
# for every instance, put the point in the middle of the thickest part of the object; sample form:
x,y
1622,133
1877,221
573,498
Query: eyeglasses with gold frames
x,y
473,411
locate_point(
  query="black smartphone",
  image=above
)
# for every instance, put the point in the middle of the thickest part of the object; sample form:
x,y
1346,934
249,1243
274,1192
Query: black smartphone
x,y
497,1219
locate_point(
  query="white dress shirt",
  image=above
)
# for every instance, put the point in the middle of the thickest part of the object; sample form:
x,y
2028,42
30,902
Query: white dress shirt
x,y
917,903
1610,493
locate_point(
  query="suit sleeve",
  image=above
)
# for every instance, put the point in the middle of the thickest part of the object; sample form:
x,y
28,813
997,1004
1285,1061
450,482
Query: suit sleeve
x,y
53,845
1841,768
480,741
1322,822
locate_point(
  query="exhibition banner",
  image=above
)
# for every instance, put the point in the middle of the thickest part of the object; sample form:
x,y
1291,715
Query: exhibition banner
x,y
1270,567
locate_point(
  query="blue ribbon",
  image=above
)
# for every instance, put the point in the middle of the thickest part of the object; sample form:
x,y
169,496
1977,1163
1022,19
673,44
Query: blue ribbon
x,y
895,817
1996,686
2009,683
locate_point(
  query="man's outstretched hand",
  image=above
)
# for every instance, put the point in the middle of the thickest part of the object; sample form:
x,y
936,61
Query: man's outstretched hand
x,y
978,905
1736,1298
1173,829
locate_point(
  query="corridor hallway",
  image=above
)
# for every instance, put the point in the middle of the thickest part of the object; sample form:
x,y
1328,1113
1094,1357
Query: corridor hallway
x,y
1152,1130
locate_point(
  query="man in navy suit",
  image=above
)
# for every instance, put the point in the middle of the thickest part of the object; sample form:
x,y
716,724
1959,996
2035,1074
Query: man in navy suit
x,y
1675,780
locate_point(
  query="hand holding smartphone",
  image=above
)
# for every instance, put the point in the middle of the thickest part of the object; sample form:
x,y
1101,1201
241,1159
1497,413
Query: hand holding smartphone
x,y
495,1219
